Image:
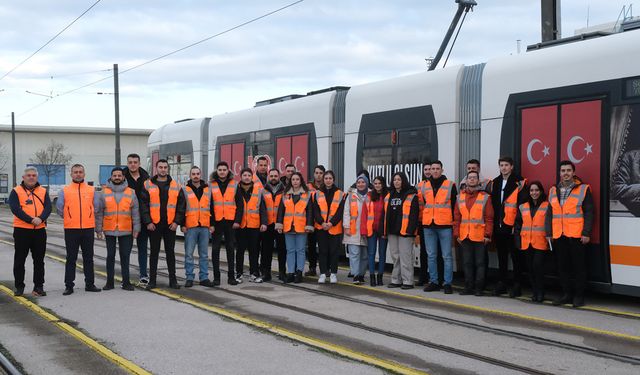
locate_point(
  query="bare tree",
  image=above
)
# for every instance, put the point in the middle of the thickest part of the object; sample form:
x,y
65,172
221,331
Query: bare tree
x,y
52,159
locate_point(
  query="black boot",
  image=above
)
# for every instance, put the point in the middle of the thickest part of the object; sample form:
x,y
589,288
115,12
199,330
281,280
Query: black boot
x,y
565,299
515,291
173,283
290,278
372,280
298,277
379,276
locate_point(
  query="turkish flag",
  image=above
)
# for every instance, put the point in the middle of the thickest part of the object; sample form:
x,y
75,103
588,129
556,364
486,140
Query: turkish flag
x,y
580,143
538,153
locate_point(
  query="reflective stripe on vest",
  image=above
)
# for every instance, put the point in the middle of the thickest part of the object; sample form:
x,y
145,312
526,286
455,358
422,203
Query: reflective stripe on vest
x,y
353,213
511,204
295,215
154,200
437,209
533,232
224,207
198,212
472,223
78,206
406,211
328,213
117,215
251,212
568,219
272,205
31,202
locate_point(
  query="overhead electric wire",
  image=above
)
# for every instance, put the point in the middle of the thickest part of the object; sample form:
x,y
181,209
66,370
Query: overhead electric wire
x,y
50,40
454,39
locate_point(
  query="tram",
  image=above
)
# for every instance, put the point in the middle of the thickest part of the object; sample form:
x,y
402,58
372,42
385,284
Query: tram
x,y
577,100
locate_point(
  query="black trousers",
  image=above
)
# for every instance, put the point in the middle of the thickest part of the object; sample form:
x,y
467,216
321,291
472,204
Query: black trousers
x,y
248,239
535,264
125,243
223,228
156,237
270,240
570,253
75,239
506,246
312,250
329,247
25,240
473,255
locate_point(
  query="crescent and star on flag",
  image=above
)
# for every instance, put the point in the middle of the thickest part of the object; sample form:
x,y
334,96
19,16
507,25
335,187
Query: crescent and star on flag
x,y
588,149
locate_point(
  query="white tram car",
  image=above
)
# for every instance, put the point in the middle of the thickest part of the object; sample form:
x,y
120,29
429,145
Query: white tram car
x,y
577,101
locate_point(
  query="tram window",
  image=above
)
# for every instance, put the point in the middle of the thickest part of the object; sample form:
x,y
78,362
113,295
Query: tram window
x,y
413,137
375,156
179,167
263,136
377,139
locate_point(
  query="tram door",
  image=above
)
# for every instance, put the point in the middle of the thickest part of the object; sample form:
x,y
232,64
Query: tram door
x,y
293,150
233,153
570,131
387,152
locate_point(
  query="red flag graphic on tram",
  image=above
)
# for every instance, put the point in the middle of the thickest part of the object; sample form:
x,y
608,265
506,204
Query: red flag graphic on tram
x,y
538,153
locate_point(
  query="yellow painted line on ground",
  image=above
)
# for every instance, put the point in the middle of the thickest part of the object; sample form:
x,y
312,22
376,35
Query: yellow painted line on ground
x,y
321,344
93,344
499,312
336,349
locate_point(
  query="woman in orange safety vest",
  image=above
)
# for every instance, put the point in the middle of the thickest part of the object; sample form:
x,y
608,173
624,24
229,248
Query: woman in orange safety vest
x,y
328,209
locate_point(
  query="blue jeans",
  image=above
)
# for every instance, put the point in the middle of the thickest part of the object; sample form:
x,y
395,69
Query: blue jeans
x,y
357,259
296,245
141,243
431,238
380,243
199,236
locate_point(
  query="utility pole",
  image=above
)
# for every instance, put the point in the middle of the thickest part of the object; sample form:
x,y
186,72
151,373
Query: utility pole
x,y
13,148
116,98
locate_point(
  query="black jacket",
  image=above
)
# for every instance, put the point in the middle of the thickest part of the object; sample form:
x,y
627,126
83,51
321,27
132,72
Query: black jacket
x,y
243,196
16,209
145,212
393,215
136,185
497,200
436,184
198,191
328,193
588,212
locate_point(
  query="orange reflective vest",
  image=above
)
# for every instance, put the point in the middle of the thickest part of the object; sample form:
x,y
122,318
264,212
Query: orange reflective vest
x,y
32,203
511,204
154,200
251,212
198,212
353,213
224,206
78,206
117,215
437,209
272,205
568,219
295,215
256,181
533,232
472,223
328,211
406,211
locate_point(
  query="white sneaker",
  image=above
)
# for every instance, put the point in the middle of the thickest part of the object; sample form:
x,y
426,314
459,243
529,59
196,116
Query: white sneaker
x,y
322,279
239,278
256,279
333,279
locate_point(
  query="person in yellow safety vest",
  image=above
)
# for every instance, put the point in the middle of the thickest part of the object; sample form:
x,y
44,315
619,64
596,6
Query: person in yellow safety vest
x,y
439,195
225,220
529,233
312,242
569,223
419,240
295,220
31,206
472,229
198,227
355,233
162,210
376,238
272,194
401,226
328,207
117,221
507,192
252,211
76,204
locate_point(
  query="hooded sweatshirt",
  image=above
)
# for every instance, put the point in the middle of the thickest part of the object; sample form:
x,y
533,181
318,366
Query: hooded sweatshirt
x,y
118,192
394,212
358,238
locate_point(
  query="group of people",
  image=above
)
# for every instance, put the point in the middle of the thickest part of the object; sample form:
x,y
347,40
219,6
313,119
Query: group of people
x,y
263,212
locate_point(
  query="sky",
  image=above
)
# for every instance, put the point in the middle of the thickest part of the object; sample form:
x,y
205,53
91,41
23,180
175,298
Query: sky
x,y
309,46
